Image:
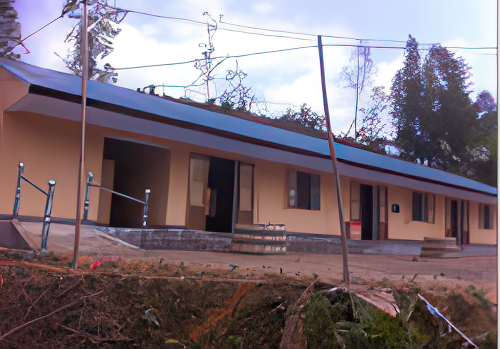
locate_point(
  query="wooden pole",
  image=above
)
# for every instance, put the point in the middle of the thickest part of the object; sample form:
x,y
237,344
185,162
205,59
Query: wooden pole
x,y
84,53
343,236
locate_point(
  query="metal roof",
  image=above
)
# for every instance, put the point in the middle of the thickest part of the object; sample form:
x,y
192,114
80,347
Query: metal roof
x,y
68,86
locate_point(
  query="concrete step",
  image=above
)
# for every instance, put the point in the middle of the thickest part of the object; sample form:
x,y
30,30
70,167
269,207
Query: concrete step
x,y
13,235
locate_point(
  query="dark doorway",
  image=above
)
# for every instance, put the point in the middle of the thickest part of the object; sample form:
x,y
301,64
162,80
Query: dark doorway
x,y
137,167
454,218
221,191
366,202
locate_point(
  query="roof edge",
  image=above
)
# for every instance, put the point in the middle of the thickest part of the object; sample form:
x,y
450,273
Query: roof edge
x,y
69,97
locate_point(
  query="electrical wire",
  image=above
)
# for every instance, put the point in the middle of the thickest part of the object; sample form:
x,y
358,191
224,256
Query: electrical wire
x,y
36,31
281,31
288,49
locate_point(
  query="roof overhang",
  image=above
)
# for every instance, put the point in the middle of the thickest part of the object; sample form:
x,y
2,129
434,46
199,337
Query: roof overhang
x,y
65,106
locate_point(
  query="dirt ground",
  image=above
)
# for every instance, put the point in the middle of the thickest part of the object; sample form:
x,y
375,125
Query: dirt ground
x,y
478,271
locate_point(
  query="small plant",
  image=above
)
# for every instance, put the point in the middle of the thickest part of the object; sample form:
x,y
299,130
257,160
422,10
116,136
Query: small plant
x,y
480,295
237,341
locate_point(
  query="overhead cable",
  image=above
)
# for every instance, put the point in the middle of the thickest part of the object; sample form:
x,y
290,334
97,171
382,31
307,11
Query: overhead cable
x,y
281,50
281,31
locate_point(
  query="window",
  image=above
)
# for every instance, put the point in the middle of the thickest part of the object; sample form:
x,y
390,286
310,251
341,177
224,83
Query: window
x,y
485,216
423,207
303,190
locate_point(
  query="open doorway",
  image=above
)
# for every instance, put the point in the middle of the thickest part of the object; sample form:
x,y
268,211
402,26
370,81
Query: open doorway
x,y
366,203
457,220
131,168
368,212
220,194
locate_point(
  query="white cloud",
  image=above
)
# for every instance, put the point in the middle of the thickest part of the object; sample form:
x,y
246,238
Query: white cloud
x,y
386,72
263,7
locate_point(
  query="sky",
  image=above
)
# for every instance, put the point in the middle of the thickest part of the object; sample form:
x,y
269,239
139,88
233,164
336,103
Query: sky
x,y
285,79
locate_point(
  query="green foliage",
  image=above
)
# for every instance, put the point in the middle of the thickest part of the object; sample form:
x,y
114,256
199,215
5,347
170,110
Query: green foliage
x,y
340,320
305,117
237,341
489,342
320,323
435,119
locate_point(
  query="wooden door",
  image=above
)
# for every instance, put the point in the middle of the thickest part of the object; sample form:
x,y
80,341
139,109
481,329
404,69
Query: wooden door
x,y
245,194
198,196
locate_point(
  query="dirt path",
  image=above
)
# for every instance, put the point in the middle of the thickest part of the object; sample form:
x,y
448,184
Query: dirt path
x,y
478,271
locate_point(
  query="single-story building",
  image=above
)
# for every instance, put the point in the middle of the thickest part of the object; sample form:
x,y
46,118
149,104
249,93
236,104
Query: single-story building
x,y
209,171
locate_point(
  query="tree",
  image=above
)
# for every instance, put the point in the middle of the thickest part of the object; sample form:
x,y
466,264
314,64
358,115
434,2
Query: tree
x,y
237,96
435,119
358,74
102,20
371,132
407,107
449,117
305,117
485,103
483,166
10,30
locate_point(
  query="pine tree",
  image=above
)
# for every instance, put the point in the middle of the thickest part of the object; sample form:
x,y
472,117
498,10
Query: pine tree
x,y
407,107
436,122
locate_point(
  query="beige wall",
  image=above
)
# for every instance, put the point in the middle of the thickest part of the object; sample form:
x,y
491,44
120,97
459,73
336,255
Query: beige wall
x,y
11,90
50,150
401,225
481,236
49,147
270,202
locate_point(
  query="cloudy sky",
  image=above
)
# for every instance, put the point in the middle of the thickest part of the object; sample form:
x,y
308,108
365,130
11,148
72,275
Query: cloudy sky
x,y
281,79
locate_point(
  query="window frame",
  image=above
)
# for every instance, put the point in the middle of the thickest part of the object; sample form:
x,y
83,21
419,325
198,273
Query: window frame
x,y
292,190
427,203
483,222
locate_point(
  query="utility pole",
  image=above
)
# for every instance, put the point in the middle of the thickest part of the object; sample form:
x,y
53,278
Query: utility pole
x,y
84,53
357,99
331,145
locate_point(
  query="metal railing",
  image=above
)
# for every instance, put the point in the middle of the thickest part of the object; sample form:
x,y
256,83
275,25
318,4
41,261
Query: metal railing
x,y
47,216
91,183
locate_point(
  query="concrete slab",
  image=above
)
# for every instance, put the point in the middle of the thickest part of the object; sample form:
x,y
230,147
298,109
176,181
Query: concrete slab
x,y
13,235
397,248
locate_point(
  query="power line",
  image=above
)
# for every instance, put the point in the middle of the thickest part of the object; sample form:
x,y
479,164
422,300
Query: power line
x,y
202,23
309,34
36,31
280,31
158,65
289,49
220,57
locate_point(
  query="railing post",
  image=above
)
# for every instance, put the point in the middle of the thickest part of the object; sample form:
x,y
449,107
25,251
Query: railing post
x,y
48,214
145,216
18,191
86,204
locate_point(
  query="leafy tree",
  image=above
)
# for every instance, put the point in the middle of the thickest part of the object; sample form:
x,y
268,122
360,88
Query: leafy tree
x,y
102,20
10,30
